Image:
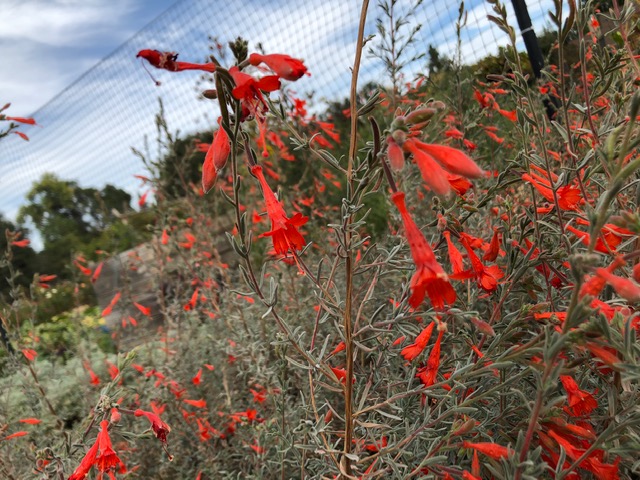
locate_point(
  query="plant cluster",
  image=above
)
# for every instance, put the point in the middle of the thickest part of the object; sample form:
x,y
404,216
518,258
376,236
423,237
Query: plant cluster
x,y
490,333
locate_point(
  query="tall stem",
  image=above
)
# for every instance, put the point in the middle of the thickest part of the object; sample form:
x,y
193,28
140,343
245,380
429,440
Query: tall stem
x,y
348,387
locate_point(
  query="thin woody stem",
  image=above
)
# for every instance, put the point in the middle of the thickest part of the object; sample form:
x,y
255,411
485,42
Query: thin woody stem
x,y
348,388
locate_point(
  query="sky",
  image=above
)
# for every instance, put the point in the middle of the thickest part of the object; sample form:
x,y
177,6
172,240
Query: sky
x,y
72,64
45,45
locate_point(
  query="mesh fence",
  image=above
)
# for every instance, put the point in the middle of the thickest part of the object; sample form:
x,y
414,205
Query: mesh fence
x,y
88,129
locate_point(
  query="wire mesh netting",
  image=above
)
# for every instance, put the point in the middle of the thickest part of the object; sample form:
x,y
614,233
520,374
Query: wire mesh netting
x,y
89,128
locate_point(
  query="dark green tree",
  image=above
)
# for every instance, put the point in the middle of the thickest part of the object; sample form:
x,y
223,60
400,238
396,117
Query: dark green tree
x,y
70,218
24,260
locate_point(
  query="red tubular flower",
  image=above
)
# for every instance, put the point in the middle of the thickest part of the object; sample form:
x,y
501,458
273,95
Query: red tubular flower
x,y
283,65
624,287
144,310
451,159
428,373
493,450
569,197
487,277
96,273
459,184
466,475
430,278
216,158
109,308
196,403
15,435
26,121
432,173
107,457
168,61
455,257
494,247
395,155
284,230
412,351
30,421
249,91
160,429
197,379
592,463
21,243
475,464
29,354
86,463
580,402
341,374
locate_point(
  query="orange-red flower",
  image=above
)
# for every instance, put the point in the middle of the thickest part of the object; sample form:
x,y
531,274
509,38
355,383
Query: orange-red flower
x,y
429,278
428,373
395,154
487,277
580,402
15,435
169,61
624,287
26,121
107,458
284,66
197,379
160,429
21,243
112,303
455,257
284,230
85,464
451,159
196,403
30,421
433,174
249,91
341,374
569,197
494,247
412,351
144,310
493,450
216,158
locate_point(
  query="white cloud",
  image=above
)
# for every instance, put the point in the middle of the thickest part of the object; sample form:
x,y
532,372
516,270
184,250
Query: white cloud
x,y
88,130
47,44
62,23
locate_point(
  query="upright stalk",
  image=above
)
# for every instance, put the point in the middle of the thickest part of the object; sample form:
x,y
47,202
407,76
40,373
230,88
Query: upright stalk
x,y
348,386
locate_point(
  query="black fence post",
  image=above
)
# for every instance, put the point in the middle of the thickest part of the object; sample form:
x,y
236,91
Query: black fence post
x,y
529,36
533,47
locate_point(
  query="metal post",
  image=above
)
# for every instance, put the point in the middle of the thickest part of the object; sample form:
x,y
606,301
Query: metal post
x,y
533,48
529,36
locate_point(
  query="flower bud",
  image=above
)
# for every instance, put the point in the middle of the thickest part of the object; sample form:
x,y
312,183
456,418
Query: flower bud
x,y
395,155
421,115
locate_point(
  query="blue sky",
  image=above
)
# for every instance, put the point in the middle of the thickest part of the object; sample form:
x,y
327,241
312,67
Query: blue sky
x,y
47,44
72,62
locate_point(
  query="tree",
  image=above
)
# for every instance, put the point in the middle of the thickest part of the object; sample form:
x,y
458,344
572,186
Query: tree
x,y
70,218
23,259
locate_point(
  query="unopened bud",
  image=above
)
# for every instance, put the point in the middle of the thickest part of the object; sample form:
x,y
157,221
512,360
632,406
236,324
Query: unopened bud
x,y
399,137
211,94
395,155
466,427
483,327
421,115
